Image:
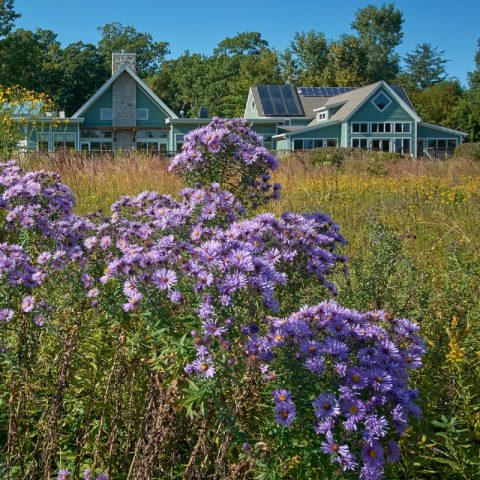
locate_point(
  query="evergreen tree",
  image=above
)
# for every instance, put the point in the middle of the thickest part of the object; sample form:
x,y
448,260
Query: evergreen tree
x,y
425,66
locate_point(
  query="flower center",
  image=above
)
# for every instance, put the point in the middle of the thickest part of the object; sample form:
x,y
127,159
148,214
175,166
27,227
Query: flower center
x,y
282,397
335,447
285,414
356,377
312,348
204,367
379,379
327,406
353,409
372,453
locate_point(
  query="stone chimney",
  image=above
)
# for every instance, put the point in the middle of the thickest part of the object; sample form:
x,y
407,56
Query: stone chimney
x,y
119,59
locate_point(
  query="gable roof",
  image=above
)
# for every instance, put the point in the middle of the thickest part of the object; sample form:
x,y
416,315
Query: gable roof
x,y
109,82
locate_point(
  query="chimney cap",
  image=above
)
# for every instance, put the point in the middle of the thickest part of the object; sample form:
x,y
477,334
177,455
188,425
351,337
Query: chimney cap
x,y
119,59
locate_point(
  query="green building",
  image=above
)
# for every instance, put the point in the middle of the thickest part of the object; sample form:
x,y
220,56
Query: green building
x,y
125,115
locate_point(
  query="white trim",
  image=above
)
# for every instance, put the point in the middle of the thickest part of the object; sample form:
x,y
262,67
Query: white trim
x,y
143,110
106,85
376,106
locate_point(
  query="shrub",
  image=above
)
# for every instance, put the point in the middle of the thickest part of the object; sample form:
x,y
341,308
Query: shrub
x,y
469,151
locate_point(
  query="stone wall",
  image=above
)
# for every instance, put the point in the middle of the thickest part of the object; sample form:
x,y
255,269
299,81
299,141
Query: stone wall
x,y
121,58
124,105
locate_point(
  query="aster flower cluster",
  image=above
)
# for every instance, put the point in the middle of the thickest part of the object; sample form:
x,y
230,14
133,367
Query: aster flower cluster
x,y
360,364
153,241
228,152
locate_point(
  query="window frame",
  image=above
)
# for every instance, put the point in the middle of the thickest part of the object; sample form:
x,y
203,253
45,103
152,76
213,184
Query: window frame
x,y
144,110
106,113
378,95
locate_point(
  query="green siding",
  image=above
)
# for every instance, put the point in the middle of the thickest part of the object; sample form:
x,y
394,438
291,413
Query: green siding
x,y
300,122
429,132
331,131
92,115
156,116
368,112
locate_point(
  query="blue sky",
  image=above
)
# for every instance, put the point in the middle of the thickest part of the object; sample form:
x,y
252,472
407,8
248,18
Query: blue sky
x,y
199,25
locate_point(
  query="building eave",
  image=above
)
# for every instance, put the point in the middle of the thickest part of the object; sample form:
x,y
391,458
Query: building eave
x,y
308,129
443,129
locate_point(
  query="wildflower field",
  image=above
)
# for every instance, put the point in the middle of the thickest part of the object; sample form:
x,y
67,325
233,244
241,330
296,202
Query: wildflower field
x,y
230,331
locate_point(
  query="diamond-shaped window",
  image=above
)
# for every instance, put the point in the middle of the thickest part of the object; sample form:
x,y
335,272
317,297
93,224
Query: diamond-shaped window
x,y
381,101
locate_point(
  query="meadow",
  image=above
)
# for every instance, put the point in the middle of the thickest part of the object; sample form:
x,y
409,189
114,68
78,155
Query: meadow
x,y
412,231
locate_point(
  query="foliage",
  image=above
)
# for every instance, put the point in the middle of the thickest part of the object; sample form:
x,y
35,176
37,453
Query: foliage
x,y
425,66
7,16
436,104
469,151
116,37
380,32
21,110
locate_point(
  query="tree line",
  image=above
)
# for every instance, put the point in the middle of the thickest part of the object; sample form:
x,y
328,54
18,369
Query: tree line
x,y
220,81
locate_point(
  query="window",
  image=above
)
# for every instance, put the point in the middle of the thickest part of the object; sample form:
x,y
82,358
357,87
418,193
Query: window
x,y
267,141
106,113
381,101
381,127
96,133
452,143
360,127
179,141
402,127
331,142
64,141
307,143
297,144
142,113
100,146
151,134
321,116
402,145
360,143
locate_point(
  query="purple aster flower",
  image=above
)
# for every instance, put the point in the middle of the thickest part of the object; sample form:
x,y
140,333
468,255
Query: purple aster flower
x,y
372,454
164,278
393,451
331,447
285,413
375,427
174,296
6,315
63,475
28,303
316,365
282,396
86,474
102,476
38,320
93,293
203,366
132,302
380,380
326,405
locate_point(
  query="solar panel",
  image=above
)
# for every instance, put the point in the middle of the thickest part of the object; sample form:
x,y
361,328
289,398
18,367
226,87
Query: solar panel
x,y
280,100
323,91
402,94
